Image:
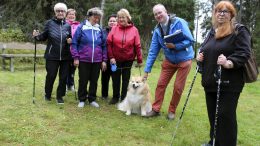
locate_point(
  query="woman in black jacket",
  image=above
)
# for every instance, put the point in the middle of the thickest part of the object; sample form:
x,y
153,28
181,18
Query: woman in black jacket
x,y
57,53
229,47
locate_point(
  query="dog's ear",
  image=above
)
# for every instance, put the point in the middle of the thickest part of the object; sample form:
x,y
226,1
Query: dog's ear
x,y
144,79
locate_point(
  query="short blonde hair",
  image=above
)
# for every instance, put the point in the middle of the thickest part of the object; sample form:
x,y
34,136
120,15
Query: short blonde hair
x,y
60,6
95,11
124,12
71,10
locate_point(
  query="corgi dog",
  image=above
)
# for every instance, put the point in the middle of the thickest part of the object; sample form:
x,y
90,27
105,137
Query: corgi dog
x,y
138,98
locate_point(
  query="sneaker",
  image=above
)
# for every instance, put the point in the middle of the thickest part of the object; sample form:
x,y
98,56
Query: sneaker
x,y
47,98
170,116
114,101
152,114
81,104
94,104
60,100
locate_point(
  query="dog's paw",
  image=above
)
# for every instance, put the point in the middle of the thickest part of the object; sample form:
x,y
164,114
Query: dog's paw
x,y
128,113
143,114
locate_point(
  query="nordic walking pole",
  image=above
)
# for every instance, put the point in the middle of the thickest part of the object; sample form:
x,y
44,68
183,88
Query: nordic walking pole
x,y
34,70
75,89
185,104
217,104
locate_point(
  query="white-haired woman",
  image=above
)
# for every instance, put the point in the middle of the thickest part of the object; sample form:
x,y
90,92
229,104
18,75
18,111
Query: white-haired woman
x,y
90,55
124,45
57,53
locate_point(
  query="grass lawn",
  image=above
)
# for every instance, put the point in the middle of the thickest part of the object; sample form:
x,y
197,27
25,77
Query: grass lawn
x,y
43,123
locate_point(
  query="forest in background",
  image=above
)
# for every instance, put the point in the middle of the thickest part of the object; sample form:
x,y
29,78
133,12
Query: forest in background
x,y
18,18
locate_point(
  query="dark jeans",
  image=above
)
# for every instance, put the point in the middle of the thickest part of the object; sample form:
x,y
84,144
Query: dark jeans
x,y
71,74
105,77
226,134
88,72
52,68
124,71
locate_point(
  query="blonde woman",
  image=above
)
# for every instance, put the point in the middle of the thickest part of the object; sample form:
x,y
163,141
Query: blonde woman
x,y
124,45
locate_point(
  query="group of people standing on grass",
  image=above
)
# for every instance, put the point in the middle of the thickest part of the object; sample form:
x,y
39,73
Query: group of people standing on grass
x,y
90,48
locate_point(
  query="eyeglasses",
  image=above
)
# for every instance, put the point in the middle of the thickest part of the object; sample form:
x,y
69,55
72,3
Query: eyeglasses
x,y
60,11
223,12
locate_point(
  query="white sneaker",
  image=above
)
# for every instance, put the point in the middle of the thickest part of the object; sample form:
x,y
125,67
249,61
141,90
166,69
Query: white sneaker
x,y
81,104
94,104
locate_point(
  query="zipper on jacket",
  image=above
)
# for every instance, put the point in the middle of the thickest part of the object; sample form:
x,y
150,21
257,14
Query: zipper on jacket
x,y
123,38
50,49
61,37
92,58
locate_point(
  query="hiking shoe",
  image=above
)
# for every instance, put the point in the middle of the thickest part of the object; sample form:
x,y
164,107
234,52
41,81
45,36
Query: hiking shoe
x,y
81,104
47,98
152,114
114,101
94,104
60,100
170,116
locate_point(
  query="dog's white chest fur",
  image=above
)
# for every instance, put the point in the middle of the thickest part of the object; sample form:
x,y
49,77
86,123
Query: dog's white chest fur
x,y
137,99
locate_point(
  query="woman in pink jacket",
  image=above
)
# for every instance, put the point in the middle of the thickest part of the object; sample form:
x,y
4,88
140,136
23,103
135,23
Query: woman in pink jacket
x,y
71,19
124,45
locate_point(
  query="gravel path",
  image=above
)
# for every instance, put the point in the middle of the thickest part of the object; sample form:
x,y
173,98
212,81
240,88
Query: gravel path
x,y
22,45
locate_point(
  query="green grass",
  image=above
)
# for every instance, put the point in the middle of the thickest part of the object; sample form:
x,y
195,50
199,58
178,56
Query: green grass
x,y
24,123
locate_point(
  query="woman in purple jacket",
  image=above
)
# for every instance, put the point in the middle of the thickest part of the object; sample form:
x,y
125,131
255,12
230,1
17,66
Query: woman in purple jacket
x,y
90,55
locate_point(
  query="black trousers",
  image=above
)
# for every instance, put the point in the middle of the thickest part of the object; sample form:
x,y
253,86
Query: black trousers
x,y
226,134
105,77
88,72
71,74
52,68
124,71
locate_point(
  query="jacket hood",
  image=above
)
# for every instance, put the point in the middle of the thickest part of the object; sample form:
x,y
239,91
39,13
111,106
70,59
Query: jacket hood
x,y
131,24
89,24
72,22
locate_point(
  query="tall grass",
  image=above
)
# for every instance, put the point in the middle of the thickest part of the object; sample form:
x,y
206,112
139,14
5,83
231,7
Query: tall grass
x,y
43,123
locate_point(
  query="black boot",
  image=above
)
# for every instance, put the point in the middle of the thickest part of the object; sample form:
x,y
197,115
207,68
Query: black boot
x,y
114,100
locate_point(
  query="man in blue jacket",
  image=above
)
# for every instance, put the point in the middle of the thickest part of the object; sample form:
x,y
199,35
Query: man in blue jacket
x,y
178,58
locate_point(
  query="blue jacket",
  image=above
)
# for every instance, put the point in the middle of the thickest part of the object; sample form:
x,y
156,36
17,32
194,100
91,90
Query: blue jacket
x,y
182,52
89,43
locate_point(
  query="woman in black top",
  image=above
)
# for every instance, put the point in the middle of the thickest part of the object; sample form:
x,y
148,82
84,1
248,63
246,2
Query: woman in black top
x,y
229,47
57,31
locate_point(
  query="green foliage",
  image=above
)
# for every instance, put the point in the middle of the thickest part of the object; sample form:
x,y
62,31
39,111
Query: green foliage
x,y
27,15
7,35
